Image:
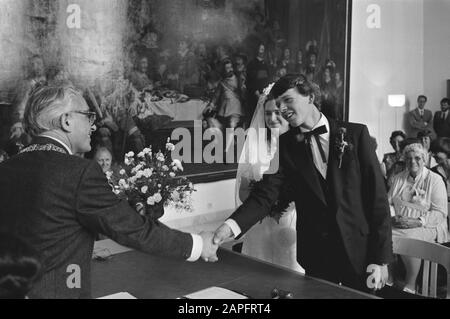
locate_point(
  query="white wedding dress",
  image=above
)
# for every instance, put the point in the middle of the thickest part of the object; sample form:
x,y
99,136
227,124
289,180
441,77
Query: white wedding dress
x,y
267,240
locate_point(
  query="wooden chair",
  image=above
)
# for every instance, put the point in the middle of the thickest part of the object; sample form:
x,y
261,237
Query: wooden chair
x,y
432,255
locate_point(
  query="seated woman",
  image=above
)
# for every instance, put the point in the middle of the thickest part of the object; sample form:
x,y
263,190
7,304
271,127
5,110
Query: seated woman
x,y
19,267
425,138
418,202
441,149
389,159
274,239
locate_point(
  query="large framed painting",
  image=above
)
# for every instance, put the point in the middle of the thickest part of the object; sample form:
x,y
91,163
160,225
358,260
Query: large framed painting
x,y
149,67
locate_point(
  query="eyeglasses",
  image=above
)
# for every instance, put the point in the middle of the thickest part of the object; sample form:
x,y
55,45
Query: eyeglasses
x,y
91,115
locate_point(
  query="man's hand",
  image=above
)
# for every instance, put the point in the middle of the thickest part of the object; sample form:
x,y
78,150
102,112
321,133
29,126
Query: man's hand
x,y
378,276
209,252
222,234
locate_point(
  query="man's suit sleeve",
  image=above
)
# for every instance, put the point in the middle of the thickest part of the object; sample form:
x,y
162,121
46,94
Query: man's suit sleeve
x,y
100,210
376,203
260,201
413,122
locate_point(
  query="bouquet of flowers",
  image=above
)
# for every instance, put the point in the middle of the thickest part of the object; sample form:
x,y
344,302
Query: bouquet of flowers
x,y
149,181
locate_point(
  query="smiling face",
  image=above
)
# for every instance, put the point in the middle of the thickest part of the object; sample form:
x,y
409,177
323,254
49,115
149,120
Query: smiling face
x,y
80,127
415,162
104,159
273,117
294,107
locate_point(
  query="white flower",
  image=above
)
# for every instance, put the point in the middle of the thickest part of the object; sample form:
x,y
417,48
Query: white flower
x,y
159,185
175,195
127,161
191,185
108,174
139,174
170,147
116,191
177,163
157,197
147,172
122,172
147,150
132,179
141,154
165,168
144,189
172,174
268,89
123,184
130,154
151,201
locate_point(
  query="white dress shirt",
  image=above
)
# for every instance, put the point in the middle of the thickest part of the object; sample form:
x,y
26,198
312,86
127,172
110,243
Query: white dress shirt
x,y
197,241
325,142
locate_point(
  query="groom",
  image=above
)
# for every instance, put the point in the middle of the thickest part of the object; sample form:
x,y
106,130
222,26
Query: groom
x,y
343,221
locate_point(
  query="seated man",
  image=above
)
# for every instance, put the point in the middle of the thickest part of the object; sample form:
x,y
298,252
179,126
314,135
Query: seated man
x,y
60,201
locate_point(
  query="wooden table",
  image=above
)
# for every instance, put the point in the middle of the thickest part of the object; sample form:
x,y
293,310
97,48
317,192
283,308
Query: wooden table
x,y
151,277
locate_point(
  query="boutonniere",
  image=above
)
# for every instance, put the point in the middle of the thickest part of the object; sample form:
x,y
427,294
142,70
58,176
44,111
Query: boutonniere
x,y
341,144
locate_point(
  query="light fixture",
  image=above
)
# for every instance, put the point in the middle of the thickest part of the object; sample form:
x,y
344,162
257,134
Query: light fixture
x,y
396,100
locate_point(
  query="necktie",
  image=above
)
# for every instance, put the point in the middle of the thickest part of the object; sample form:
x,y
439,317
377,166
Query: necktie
x,y
316,132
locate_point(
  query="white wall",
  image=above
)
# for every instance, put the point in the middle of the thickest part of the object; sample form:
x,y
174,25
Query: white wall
x,y
436,50
384,61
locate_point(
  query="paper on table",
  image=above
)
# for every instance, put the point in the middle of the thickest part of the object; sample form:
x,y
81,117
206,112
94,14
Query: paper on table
x,y
120,295
215,293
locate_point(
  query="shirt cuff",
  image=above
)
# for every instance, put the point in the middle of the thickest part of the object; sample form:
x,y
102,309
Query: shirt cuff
x,y
197,247
234,227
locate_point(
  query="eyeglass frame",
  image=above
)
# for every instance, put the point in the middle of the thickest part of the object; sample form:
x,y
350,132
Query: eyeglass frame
x,y
92,116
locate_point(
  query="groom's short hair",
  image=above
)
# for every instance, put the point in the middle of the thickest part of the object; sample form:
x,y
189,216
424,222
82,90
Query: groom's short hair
x,y
289,81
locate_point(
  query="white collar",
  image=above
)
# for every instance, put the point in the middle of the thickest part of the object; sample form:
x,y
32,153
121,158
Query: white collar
x,y
59,141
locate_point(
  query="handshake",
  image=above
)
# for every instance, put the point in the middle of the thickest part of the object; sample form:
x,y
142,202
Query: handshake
x,y
211,242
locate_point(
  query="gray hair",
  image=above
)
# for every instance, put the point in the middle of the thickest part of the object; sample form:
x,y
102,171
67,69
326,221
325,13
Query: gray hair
x,y
45,106
416,148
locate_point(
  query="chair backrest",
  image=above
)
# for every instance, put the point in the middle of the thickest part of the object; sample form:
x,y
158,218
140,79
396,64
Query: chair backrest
x,y
432,255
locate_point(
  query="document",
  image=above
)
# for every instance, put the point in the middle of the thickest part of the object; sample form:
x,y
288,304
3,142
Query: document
x,y
120,295
216,293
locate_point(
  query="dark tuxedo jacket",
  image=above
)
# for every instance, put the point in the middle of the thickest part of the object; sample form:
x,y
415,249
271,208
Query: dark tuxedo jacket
x,y
441,126
58,203
357,198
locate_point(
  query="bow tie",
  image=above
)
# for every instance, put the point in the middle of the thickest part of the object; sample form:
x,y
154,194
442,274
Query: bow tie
x,y
306,136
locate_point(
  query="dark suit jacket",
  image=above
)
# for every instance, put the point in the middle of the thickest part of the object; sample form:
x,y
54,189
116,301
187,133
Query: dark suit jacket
x,y
418,123
357,193
58,203
441,127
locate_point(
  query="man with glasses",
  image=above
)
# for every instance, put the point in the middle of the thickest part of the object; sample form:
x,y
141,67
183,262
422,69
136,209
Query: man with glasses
x,y
58,202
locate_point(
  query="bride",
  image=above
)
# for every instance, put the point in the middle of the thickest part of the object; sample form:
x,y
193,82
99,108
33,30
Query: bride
x,y
274,239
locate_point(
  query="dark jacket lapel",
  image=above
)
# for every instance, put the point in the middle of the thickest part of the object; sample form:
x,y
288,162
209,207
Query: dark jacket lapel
x,y
305,165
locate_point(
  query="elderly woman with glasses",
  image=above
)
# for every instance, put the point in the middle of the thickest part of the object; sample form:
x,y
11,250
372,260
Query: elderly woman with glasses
x,y
418,200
